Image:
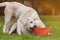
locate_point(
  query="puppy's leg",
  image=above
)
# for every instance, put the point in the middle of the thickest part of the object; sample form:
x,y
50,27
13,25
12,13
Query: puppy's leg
x,y
13,28
19,27
24,31
8,15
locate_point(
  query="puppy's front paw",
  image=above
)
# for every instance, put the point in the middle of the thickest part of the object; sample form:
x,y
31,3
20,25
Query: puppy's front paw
x,y
19,33
9,33
5,31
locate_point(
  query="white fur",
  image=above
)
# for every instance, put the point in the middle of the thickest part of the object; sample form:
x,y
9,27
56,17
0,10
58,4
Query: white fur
x,y
23,14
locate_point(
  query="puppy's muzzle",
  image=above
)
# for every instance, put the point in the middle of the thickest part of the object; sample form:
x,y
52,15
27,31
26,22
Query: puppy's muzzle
x,y
33,27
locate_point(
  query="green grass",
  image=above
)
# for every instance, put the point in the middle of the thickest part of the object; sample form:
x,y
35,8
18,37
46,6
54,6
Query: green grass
x,y
53,21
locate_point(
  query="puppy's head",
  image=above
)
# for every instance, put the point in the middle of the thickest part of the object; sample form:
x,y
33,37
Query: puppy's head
x,y
32,23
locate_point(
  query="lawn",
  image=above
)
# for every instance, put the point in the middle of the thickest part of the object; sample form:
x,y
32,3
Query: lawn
x,y
53,21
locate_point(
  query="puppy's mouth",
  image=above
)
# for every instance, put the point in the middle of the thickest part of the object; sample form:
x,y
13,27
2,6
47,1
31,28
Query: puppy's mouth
x,y
30,30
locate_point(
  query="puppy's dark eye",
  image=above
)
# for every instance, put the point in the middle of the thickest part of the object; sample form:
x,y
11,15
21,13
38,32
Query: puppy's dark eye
x,y
31,22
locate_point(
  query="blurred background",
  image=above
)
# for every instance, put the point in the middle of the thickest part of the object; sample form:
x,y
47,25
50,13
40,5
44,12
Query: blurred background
x,y
43,7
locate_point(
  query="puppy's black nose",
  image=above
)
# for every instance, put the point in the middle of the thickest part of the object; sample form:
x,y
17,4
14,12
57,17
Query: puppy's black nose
x,y
35,26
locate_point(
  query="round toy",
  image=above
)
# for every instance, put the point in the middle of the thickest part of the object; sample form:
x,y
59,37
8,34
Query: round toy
x,y
42,31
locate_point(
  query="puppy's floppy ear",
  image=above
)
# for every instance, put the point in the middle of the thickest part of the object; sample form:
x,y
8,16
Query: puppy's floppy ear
x,y
26,20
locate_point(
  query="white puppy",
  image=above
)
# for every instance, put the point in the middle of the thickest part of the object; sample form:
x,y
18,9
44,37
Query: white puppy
x,y
27,20
27,17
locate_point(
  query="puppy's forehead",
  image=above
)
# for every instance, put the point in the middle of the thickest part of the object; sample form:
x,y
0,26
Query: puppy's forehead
x,y
37,20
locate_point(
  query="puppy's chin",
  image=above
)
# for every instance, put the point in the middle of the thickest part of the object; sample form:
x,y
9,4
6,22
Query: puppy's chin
x,y
30,31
